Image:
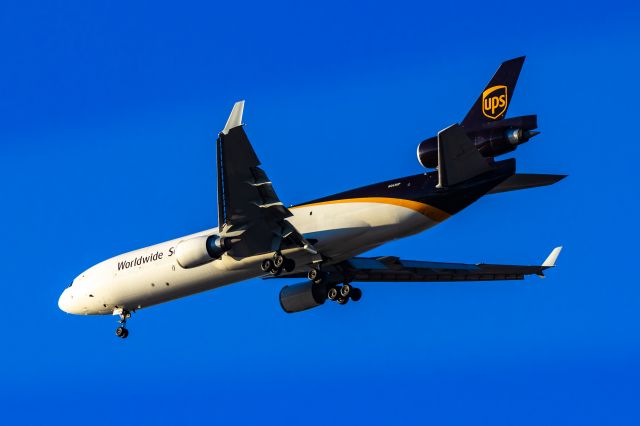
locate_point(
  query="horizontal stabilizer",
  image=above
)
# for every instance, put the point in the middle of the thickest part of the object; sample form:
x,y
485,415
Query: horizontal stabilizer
x,y
458,158
525,181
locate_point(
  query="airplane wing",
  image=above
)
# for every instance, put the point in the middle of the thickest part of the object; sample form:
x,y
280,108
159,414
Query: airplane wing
x,y
249,210
394,269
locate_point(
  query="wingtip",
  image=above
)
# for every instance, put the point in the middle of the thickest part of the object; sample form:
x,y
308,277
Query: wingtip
x,y
550,261
235,118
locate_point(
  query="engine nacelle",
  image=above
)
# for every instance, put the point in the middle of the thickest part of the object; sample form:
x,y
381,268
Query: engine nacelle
x,y
493,139
200,250
428,153
303,296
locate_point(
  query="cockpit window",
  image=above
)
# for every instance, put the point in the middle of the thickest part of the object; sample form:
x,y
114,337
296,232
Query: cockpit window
x,y
70,284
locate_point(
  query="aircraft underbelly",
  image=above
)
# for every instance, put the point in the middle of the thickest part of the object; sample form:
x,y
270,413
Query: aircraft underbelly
x,y
338,231
344,227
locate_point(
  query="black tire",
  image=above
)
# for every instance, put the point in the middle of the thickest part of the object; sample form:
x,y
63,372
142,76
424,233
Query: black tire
x,y
356,294
345,290
266,265
275,271
278,260
332,294
120,331
343,300
313,274
125,334
289,265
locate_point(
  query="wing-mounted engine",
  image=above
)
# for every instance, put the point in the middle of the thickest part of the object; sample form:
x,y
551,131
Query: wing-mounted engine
x,y
198,251
303,296
331,284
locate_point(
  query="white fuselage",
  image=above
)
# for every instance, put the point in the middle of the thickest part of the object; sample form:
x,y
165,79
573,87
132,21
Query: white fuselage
x,y
152,275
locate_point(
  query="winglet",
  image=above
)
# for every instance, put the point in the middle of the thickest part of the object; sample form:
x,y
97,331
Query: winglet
x,y
550,261
235,118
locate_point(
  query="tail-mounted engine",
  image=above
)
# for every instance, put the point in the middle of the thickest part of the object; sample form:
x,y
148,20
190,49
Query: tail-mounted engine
x,y
200,250
491,139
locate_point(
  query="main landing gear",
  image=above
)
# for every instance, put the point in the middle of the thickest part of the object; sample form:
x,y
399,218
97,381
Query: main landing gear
x,y
277,264
122,331
336,292
342,293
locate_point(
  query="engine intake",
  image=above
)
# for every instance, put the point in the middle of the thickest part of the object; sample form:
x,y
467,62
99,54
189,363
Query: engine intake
x,y
200,250
303,296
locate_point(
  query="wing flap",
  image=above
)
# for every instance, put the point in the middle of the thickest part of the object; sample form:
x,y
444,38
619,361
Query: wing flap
x,y
381,270
249,210
246,198
394,269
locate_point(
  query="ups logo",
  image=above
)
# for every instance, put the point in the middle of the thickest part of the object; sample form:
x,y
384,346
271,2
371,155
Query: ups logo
x,y
494,101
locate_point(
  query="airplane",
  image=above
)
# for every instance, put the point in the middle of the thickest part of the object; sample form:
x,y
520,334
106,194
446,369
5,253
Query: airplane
x,y
321,240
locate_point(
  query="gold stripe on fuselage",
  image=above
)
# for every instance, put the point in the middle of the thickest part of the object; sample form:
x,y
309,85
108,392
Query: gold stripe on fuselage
x,y
431,212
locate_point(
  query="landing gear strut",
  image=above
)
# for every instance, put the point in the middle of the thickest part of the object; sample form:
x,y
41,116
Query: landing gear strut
x,y
277,264
335,292
122,331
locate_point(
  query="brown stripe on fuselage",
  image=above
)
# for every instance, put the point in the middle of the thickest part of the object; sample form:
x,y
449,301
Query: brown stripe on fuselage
x,y
431,212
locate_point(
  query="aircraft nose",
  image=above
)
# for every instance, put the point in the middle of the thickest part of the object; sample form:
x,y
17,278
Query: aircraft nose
x,y
65,303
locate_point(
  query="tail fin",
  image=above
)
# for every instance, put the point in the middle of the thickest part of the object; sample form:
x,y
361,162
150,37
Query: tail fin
x,y
493,102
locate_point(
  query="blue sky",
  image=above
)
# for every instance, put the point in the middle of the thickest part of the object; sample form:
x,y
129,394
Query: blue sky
x,y
108,116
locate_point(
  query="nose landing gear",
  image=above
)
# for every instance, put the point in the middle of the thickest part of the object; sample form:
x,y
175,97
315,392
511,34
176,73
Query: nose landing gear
x,y
122,330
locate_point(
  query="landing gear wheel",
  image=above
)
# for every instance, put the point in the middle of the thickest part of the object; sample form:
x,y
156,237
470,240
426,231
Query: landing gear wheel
x,y
345,290
278,260
316,276
343,300
266,265
356,294
332,294
289,265
275,271
313,274
122,331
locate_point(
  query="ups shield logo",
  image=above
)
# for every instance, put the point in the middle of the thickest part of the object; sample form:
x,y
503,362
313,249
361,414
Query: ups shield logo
x,y
494,101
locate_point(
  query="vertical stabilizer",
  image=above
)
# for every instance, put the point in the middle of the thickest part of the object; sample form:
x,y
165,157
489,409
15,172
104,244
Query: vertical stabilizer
x,y
493,102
